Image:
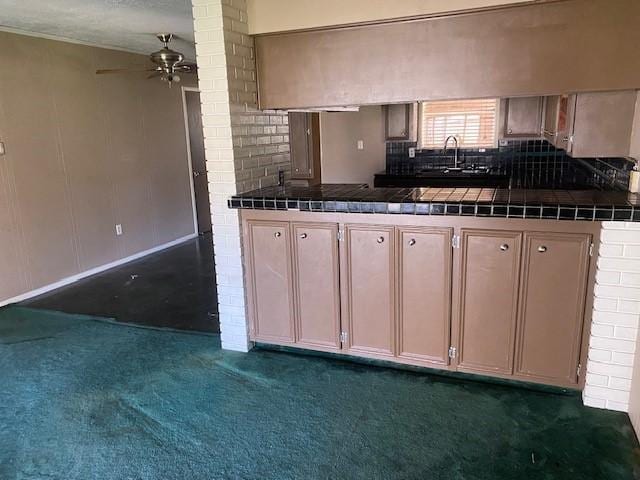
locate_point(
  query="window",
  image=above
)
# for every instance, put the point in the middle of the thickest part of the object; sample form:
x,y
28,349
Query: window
x,y
472,121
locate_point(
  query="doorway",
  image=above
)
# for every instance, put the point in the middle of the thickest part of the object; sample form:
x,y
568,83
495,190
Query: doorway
x,y
197,162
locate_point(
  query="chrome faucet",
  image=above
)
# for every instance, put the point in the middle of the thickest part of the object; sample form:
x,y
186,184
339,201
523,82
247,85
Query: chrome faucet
x,y
455,155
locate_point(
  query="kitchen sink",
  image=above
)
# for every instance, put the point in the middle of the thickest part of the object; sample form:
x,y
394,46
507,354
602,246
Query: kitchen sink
x,y
465,176
472,170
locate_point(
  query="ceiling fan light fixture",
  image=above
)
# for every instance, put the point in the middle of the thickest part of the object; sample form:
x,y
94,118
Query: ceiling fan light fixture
x,y
169,63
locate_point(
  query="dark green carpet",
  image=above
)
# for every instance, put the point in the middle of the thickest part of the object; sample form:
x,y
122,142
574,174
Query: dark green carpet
x,y
85,399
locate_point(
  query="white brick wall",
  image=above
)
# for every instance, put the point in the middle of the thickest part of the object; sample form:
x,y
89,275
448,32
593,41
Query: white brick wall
x,y
616,315
244,147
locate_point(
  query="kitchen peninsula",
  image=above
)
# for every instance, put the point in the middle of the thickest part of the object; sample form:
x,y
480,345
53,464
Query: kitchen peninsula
x,y
402,274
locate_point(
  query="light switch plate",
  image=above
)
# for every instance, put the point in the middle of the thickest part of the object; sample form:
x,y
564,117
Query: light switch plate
x,y
2,151
412,152
118,229
360,145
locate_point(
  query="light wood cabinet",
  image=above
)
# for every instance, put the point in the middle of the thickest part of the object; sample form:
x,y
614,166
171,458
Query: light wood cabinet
x,y
270,285
597,124
317,285
522,117
424,294
304,141
397,121
552,116
489,272
369,279
552,303
506,301
601,124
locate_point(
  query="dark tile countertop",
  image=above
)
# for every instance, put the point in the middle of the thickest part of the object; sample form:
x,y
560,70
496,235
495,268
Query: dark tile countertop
x,y
590,205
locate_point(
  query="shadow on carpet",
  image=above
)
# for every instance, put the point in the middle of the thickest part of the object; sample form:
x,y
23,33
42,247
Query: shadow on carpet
x,y
82,399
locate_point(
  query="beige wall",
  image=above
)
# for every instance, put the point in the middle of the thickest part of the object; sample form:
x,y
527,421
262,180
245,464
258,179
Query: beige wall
x,y
342,162
282,15
84,152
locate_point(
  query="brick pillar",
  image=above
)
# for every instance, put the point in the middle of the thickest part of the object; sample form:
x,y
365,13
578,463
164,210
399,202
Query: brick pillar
x,y
244,147
616,314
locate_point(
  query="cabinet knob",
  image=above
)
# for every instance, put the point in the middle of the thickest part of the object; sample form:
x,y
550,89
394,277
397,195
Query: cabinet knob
x,y
277,234
412,242
380,239
542,249
303,235
504,247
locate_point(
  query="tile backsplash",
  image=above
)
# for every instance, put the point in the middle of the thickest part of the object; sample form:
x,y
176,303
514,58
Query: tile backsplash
x,y
527,163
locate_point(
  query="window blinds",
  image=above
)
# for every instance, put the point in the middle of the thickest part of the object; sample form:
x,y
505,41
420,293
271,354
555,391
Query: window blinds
x,y
473,122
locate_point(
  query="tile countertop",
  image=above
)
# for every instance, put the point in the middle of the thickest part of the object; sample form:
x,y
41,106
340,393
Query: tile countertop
x,y
589,205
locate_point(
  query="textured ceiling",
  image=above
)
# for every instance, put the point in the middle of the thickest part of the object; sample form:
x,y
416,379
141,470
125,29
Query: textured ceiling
x,y
122,24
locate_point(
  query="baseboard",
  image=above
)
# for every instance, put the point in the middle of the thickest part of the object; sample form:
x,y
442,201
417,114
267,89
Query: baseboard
x,y
74,278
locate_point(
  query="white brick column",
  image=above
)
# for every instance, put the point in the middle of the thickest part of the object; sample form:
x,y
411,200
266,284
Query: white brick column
x,y
616,315
244,147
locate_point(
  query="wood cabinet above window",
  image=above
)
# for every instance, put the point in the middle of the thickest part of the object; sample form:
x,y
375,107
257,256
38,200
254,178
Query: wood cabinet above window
x,y
522,116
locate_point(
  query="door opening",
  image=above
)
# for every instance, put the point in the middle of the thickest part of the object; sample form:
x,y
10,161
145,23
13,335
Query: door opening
x,y
197,163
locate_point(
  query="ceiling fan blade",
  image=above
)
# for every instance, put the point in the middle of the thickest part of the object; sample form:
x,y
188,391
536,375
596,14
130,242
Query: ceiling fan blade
x,y
186,67
124,70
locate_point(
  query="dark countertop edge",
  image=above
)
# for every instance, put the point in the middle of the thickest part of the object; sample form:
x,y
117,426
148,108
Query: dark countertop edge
x,y
597,213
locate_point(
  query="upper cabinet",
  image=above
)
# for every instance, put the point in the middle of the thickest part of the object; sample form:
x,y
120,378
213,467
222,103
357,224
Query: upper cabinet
x,y
602,124
304,139
522,116
400,122
595,124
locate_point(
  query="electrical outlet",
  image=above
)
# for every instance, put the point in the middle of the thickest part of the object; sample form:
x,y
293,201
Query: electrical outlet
x,y
360,144
118,229
412,152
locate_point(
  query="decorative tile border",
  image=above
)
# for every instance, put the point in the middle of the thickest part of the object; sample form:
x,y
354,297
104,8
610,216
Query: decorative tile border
x,y
477,209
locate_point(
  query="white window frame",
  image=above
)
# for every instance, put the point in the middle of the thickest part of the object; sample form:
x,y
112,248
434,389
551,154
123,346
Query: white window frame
x,y
496,129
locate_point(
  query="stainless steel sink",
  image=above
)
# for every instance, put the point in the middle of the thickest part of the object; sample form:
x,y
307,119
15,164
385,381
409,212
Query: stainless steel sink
x,y
472,170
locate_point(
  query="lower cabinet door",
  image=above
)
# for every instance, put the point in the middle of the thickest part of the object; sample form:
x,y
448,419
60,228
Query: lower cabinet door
x,y
424,294
554,283
488,289
317,285
270,282
369,290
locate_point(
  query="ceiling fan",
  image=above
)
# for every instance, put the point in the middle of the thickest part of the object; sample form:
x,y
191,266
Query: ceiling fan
x,y
169,63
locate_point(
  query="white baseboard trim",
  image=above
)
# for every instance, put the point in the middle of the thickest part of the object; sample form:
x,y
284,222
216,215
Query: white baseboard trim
x,y
93,271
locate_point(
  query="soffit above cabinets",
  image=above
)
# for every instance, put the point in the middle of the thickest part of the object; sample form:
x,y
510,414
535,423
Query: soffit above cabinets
x,y
535,49
270,16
